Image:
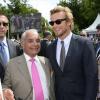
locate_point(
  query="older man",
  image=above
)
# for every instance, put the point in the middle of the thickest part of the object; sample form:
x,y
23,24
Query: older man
x,y
19,75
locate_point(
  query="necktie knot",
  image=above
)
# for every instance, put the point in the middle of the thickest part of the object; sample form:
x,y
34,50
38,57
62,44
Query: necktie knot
x,y
62,42
32,59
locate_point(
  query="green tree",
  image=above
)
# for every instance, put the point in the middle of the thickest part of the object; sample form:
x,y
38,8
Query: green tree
x,y
84,11
97,6
20,7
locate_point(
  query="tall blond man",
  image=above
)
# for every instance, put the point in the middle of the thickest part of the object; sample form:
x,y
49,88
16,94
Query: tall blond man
x,y
76,77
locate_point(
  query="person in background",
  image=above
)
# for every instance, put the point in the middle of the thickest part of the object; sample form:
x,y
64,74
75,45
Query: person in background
x,y
8,49
98,28
47,35
98,31
97,44
45,42
83,33
19,75
98,59
72,58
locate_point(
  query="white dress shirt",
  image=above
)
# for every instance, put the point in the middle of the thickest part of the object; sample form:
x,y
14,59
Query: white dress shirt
x,y
66,45
41,75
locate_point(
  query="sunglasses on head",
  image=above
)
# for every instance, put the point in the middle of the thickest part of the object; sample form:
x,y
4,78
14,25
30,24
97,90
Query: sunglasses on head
x,y
3,23
58,21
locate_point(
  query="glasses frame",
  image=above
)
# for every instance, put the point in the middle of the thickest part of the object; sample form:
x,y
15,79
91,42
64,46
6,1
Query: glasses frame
x,y
58,21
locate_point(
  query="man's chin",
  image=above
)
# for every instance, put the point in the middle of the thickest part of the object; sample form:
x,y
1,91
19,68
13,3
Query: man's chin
x,y
1,37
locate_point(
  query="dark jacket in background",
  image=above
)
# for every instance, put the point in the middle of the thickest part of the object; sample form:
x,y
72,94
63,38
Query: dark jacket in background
x,y
44,45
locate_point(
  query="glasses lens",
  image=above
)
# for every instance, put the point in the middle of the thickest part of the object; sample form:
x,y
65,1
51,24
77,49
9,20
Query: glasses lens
x,y
58,21
4,23
51,23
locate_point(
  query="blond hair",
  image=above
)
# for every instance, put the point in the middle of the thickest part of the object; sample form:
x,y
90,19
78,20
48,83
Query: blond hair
x,y
68,13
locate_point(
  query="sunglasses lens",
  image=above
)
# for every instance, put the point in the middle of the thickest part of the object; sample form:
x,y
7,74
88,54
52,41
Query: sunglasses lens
x,y
4,24
51,23
58,22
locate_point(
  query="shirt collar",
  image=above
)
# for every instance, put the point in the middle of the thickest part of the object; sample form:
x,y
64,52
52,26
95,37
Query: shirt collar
x,y
27,57
4,41
67,39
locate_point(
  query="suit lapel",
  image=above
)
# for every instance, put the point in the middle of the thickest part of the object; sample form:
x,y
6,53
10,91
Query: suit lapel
x,y
11,49
70,51
49,76
53,59
1,61
46,70
24,69
54,52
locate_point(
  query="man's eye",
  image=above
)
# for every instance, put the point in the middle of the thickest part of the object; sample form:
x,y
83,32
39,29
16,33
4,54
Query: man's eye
x,y
38,41
30,41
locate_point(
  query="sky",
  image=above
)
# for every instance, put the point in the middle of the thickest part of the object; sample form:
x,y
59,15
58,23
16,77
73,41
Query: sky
x,y
43,6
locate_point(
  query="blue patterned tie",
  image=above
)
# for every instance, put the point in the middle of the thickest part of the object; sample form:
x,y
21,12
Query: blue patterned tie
x,y
3,53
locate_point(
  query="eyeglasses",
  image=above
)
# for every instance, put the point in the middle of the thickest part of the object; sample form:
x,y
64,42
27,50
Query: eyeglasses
x,y
58,21
3,23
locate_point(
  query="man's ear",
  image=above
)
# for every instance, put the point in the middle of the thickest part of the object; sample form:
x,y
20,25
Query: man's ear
x,y
22,44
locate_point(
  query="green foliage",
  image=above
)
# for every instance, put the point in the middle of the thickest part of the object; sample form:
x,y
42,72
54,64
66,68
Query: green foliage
x,y
4,9
84,11
19,7
45,26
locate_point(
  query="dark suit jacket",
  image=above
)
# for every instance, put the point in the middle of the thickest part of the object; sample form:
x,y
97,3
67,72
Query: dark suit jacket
x,y
78,81
1,70
17,78
44,44
14,50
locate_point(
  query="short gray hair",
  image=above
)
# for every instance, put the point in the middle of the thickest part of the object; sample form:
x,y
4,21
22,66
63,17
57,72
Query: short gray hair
x,y
24,35
68,13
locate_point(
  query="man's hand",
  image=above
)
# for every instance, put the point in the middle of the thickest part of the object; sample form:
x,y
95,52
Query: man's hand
x,y
8,94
